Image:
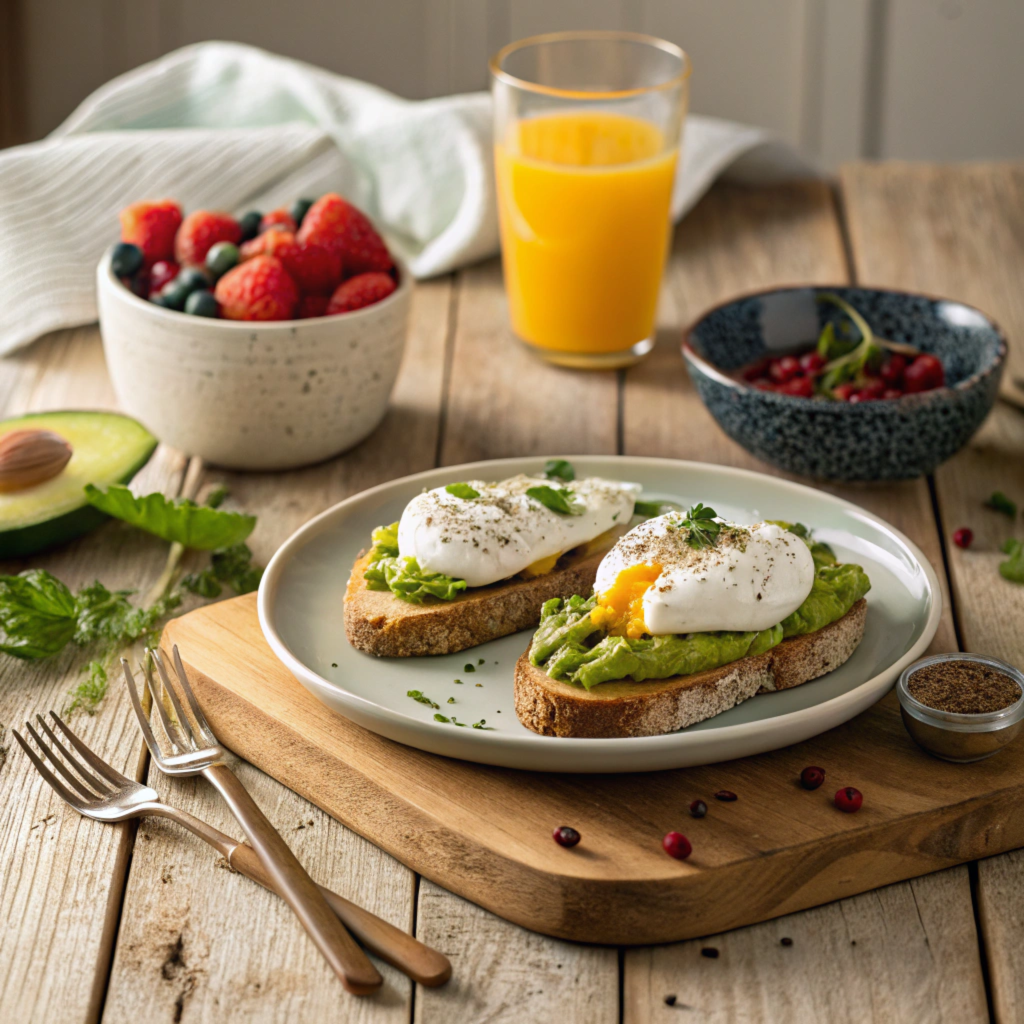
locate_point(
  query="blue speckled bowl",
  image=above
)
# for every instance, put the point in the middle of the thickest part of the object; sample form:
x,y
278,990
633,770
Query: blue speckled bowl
x,y
883,440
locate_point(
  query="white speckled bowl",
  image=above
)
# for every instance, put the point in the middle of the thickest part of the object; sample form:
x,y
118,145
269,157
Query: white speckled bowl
x,y
248,395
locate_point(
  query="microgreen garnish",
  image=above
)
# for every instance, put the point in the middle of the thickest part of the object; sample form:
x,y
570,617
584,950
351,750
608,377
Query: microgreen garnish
x,y
845,365
1013,568
482,724
463,491
702,530
449,721
650,509
558,499
559,469
999,502
420,697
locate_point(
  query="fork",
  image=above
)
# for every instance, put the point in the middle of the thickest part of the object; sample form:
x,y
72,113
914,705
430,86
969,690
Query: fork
x,y
110,796
194,750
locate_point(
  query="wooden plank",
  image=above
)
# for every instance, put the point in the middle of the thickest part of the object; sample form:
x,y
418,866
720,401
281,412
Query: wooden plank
x,y
869,959
189,933
63,876
959,231
505,975
503,400
740,240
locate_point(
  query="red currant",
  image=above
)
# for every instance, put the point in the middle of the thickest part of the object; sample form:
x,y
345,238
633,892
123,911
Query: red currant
x,y
962,538
873,389
798,387
844,392
781,370
675,844
812,777
811,362
892,369
564,835
924,374
892,393
849,799
698,809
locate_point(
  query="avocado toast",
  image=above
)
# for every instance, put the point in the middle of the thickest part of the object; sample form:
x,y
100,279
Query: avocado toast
x,y
623,662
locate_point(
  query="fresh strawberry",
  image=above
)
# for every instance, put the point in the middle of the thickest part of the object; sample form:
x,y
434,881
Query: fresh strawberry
x,y
258,289
361,290
338,225
200,231
314,268
270,243
312,305
162,272
278,219
151,226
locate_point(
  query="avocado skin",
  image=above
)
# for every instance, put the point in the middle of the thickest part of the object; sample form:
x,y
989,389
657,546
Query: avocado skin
x,y
30,540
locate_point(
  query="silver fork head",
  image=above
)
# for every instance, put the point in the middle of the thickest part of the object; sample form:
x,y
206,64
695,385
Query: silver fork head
x,y
103,793
191,747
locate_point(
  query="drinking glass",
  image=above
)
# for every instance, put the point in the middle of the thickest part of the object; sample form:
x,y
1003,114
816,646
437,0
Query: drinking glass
x,y
587,134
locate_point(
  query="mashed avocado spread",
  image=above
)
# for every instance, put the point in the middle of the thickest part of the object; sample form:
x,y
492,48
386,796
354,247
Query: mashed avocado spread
x,y
570,647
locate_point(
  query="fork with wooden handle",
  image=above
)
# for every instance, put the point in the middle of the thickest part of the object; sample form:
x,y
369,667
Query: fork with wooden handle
x,y
194,750
97,790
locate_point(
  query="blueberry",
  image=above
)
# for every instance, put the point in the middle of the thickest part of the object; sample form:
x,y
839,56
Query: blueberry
x,y
126,259
221,258
173,295
299,210
191,279
250,224
202,303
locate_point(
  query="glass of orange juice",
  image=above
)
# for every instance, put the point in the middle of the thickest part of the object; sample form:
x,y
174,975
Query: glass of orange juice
x,y
587,134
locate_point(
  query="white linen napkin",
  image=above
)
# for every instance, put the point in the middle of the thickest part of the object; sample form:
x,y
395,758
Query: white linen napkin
x,y
227,126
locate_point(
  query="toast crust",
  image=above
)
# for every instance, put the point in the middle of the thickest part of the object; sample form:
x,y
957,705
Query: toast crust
x,y
379,623
620,709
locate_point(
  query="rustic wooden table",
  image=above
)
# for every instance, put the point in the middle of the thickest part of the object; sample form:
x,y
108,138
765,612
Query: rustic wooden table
x,y
124,924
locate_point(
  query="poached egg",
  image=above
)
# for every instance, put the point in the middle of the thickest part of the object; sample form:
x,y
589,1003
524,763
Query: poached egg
x,y
503,531
653,581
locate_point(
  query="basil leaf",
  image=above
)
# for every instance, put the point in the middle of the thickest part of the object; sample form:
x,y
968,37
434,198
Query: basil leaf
x,y
650,509
183,522
557,499
421,697
1013,568
463,491
559,469
37,615
999,502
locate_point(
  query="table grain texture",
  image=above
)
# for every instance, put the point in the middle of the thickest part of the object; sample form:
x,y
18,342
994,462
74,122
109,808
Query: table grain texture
x,y
141,922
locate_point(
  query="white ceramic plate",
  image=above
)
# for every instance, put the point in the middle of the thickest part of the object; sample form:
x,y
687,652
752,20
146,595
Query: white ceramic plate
x,y
301,600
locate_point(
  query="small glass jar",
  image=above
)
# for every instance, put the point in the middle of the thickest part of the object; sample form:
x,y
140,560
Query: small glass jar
x,y
960,737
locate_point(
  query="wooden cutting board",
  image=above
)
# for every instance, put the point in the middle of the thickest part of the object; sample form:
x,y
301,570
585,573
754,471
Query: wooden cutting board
x,y
485,833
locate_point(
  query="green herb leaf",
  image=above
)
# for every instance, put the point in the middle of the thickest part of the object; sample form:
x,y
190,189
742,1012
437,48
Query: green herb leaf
x,y
559,469
702,530
183,522
845,366
91,690
463,491
451,700
37,615
216,497
999,502
558,499
469,667
1013,568
482,724
420,697
441,718
650,509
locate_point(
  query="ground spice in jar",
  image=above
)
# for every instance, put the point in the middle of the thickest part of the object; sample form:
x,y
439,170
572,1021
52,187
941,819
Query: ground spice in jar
x,y
963,688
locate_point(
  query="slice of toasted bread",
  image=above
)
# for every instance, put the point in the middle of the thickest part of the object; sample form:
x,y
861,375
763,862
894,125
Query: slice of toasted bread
x,y
625,708
379,623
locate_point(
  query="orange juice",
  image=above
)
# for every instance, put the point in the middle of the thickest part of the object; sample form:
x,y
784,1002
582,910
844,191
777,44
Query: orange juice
x,y
583,200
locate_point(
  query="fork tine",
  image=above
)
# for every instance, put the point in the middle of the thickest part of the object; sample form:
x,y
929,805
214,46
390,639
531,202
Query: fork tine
x,y
144,724
102,788
57,763
61,790
114,777
177,742
179,711
197,711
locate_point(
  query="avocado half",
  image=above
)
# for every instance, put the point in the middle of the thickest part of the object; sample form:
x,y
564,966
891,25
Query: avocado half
x,y
107,448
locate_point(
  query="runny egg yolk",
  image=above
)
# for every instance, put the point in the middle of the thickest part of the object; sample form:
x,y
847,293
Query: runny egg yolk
x,y
620,609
